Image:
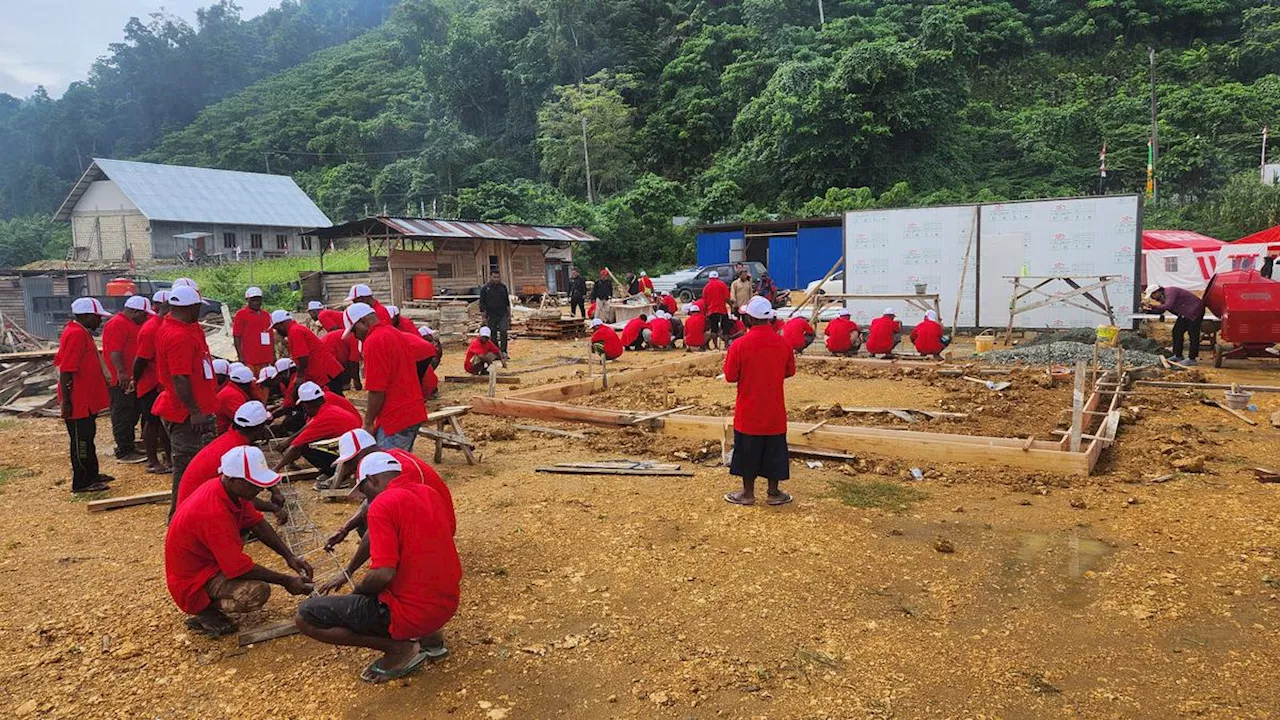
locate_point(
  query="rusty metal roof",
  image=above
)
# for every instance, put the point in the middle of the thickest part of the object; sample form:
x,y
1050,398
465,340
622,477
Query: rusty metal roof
x,y
461,229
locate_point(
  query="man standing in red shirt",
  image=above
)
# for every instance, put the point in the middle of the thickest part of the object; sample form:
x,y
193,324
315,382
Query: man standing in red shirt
x,y
189,394
82,392
412,588
325,421
759,362
395,406
251,332
330,320
147,386
884,335
605,341
206,568
715,301
120,345
314,359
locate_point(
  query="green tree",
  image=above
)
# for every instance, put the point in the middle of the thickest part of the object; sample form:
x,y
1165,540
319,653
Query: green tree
x,y
594,109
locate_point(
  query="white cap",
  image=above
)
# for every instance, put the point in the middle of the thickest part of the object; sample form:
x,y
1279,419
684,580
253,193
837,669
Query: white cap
x,y
88,306
694,309
253,292
931,315
285,364
251,414
426,330
221,367
888,311
279,316
377,463
713,274
759,308
358,291
352,442
596,322
843,312
392,309
486,332
309,391
161,296
137,302
315,305
267,373
240,373
186,282
354,313
249,463
183,296
644,274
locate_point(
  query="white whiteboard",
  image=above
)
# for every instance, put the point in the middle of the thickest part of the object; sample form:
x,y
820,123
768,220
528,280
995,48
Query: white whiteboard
x,y
888,251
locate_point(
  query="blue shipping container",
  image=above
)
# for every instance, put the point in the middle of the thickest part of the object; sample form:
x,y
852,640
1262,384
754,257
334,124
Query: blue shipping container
x,y
713,247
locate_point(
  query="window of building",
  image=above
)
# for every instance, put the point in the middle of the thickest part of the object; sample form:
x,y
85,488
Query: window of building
x,y
255,241
1171,264
228,240
306,242
282,242
444,270
493,264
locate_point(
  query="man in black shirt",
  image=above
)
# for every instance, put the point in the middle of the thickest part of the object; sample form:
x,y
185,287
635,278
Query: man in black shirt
x,y
495,305
601,293
577,293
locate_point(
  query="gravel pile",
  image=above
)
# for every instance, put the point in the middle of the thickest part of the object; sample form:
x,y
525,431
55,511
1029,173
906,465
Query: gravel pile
x,y
1128,340
1066,353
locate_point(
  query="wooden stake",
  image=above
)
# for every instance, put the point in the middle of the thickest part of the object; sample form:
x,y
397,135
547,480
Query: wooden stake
x,y
655,416
1077,407
477,380
815,427
267,632
493,380
614,471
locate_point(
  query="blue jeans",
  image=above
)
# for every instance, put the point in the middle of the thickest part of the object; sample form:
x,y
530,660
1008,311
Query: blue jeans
x,y
402,440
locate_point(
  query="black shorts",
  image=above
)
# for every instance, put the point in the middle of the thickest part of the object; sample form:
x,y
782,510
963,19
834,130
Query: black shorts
x,y
760,456
361,614
145,403
718,323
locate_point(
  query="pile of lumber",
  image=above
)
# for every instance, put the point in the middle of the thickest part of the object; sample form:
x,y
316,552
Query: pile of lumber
x,y
28,385
554,327
14,339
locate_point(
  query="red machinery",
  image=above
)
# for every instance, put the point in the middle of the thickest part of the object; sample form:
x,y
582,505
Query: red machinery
x,y
1248,307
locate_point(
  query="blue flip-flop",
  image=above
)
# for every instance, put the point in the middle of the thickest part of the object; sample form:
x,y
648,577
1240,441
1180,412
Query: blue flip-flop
x,y
375,673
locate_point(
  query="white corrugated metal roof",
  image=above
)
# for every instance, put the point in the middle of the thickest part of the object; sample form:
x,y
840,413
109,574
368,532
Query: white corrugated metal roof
x,y
190,194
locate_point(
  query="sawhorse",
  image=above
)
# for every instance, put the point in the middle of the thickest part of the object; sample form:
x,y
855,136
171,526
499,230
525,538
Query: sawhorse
x,y
448,432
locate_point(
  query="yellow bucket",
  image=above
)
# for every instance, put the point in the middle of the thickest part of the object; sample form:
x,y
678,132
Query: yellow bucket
x,y
1107,335
984,343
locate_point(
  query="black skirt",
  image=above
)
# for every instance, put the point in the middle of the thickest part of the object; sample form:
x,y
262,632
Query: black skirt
x,y
760,456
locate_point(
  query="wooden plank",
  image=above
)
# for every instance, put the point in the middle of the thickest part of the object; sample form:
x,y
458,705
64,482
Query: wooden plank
x,y
300,475
28,355
621,465
339,495
841,360
551,431
448,438
815,427
1077,407
1206,386
582,388
1224,408
614,471
481,379
445,413
814,452
160,496
902,415
655,416
267,632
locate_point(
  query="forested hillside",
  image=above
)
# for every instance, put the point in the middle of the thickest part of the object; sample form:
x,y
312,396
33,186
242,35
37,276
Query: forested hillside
x,y
721,109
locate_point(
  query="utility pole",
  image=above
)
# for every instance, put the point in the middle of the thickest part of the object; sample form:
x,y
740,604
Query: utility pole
x,y
822,16
1155,129
1264,155
586,159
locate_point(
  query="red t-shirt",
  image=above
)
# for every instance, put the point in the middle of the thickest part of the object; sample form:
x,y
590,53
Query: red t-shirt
x,y
669,304
416,468
147,351
389,369
120,334
405,325
839,334
646,284
430,383
795,332
479,346
409,531
739,328
330,320
695,330
715,297
203,540
384,315
609,338
660,332
182,350
228,401
336,399
77,354
631,331
419,347
339,346
758,363
928,337
880,336
329,422
208,462
322,366
254,330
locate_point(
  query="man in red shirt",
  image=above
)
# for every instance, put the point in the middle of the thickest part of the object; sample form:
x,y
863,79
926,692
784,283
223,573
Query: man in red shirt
x,y
189,393
927,336
426,333
843,336
695,329
646,285
325,421
206,568
251,332
481,353
120,345
715,303
884,335
82,392
412,587
237,392
658,334
314,359
759,363
798,333
250,426
329,320
605,341
395,408
400,322
668,302
341,349
147,386
633,332
362,294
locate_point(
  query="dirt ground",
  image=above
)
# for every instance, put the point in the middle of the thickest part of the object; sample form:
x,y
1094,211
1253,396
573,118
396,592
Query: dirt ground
x,y
613,597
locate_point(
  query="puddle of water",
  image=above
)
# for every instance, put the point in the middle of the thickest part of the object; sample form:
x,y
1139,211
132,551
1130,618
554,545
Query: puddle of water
x,y
1059,560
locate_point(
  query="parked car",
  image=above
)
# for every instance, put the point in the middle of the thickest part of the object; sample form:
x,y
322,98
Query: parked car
x,y
686,291
833,286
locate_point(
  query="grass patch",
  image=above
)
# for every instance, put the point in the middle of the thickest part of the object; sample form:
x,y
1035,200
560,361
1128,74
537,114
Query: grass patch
x,y
9,472
89,497
876,494
8,423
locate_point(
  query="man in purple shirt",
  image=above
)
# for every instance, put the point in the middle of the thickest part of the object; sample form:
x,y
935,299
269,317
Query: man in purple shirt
x,y
1189,310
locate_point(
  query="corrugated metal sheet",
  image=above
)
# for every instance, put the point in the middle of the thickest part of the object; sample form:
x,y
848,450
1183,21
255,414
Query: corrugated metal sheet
x,y
189,194
428,227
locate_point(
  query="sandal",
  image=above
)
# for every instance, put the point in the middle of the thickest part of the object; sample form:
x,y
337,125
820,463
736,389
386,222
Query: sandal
x,y
374,673
735,498
94,488
780,499
211,628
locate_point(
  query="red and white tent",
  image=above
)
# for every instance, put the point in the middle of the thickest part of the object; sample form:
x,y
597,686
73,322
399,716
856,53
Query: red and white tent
x,y
1179,258
1247,252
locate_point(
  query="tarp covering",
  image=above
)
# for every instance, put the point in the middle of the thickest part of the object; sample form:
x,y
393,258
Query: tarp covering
x,y
1179,258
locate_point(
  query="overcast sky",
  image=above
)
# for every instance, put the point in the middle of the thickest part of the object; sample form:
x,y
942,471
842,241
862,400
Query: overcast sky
x,y
53,42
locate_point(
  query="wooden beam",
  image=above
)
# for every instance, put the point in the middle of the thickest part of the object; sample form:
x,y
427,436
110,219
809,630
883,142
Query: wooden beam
x,y
581,388
873,362
1077,408
614,471
481,379
551,431
267,632
1206,386
655,416
160,496
815,427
